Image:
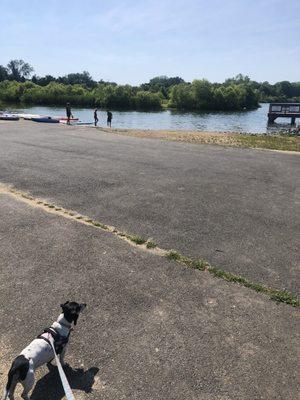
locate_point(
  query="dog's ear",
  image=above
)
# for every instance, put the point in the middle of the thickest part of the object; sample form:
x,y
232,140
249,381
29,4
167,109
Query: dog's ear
x,y
63,305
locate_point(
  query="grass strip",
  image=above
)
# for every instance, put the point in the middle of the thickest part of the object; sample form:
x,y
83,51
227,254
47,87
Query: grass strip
x,y
280,296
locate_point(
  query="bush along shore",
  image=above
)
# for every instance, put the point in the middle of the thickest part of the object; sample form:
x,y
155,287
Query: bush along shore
x,y
197,96
238,93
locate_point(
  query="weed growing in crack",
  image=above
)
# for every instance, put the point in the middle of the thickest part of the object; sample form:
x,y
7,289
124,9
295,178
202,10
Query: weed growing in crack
x,y
137,239
201,265
285,297
98,225
173,255
276,295
150,244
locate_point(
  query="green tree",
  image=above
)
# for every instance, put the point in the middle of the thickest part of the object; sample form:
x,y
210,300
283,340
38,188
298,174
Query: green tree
x,y
284,88
203,94
44,80
238,80
161,84
19,70
181,97
3,73
147,101
83,78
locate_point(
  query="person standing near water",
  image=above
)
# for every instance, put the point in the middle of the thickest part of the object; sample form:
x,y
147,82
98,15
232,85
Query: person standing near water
x,y
109,118
96,116
69,113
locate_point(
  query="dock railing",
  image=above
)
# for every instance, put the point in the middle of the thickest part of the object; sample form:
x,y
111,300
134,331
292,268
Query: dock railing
x,y
285,110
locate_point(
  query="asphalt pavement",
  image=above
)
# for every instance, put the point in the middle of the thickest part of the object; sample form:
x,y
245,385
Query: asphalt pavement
x,y
236,208
152,330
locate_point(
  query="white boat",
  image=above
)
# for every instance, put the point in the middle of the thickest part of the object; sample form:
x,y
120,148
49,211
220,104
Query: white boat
x,y
28,116
8,117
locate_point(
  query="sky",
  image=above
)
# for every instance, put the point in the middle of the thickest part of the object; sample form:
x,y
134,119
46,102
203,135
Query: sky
x,y
131,41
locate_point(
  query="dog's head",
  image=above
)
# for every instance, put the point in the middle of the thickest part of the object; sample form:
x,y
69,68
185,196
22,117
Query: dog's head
x,y
71,310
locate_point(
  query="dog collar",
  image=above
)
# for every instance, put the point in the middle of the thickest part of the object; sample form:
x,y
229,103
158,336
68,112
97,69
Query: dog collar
x,y
65,325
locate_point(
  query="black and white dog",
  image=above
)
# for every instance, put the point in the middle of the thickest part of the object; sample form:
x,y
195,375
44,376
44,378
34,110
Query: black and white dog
x,y
40,351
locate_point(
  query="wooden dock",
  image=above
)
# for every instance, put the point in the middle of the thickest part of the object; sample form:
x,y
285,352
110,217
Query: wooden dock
x,y
285,110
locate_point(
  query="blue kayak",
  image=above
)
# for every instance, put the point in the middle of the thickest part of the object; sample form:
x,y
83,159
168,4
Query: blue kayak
x,y
48,120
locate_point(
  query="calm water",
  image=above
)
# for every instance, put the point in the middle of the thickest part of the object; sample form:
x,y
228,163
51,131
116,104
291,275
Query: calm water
x,y
244,122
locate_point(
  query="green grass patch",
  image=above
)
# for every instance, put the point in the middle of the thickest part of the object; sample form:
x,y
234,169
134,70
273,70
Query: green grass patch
x,y
285,297
199,264
272,142
276,295
229,277
173,256
51,206
99,225
150,244
137,239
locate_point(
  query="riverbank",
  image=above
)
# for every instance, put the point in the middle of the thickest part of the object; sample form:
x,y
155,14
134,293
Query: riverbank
x,y
270,142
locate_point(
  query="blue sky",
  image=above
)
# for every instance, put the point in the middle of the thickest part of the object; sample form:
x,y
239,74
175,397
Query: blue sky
x,y
132,41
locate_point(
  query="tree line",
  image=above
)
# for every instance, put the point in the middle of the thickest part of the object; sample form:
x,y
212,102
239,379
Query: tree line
x,y
18,84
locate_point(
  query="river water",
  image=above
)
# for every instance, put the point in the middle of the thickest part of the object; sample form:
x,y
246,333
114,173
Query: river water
x,y
254,121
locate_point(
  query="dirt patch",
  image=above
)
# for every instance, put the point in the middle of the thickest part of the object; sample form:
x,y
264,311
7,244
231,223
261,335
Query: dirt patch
x,y
270,142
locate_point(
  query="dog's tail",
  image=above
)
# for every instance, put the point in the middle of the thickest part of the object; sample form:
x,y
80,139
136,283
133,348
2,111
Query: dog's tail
x,y
17,372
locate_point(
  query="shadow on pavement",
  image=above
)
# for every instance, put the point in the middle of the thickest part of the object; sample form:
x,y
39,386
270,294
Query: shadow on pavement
x,y
50,387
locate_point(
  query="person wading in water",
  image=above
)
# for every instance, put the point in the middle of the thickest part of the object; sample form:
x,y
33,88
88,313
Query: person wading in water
x,y
96,116
69,113
109,118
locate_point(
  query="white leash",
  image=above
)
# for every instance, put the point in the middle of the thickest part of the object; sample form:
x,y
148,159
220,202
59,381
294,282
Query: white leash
x,y
64,381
